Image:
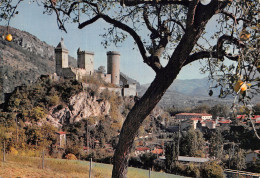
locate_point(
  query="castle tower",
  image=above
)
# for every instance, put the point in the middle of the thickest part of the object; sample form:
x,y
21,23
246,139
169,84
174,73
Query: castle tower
x,y
113,66
61,56
86,61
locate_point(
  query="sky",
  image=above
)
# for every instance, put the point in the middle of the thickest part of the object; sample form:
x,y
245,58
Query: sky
x,y
32,20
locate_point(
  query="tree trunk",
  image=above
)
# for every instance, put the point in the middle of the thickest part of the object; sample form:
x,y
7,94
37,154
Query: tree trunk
x,y
164,78
134,120
146,104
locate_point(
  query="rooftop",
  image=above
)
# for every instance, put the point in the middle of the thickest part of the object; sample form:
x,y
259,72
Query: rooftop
x,y
225,122
192,159
142,149
193,114
157,151
61,44
61,133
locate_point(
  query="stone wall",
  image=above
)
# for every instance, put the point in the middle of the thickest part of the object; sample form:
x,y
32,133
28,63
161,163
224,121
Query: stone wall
x,y
129,90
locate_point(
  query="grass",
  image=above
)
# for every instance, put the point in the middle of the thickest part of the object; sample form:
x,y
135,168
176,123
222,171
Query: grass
x,y
19,166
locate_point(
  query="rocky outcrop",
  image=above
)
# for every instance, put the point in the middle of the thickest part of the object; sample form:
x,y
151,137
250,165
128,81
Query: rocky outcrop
x,y
80,106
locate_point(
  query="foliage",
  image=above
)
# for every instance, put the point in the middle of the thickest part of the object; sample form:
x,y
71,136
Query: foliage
x,y
53,100
71,157
192,143
147,160
256,109
102,69
170,155
200,109
254,166
216,144
192,170
237,160
219,110
212,170
13,151
176,31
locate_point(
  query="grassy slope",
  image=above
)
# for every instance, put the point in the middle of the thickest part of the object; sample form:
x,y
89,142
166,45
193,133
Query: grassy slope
x,y
18,166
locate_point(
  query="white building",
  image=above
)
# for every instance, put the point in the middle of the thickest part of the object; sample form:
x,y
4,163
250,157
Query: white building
x,y
253,156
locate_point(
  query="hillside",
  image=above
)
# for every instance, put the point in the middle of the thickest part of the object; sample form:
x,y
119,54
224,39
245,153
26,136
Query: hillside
x,y
24,60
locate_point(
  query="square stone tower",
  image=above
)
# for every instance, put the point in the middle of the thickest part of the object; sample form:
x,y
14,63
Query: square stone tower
x,y
62,57
86,61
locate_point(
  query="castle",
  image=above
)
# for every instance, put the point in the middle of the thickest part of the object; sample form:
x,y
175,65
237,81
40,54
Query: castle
x,y
85,67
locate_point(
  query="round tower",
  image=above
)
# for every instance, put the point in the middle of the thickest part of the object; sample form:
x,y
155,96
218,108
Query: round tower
x,y
113,66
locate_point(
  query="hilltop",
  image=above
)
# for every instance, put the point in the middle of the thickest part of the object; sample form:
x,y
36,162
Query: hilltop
x,y
24,60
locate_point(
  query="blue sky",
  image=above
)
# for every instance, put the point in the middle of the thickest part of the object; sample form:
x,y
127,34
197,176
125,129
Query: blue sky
x,y
32,20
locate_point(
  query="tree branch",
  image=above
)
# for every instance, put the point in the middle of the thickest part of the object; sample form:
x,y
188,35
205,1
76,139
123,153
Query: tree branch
x,y
233,17
153,64
59,22
219,51
230,39
178,23
191,13
88,22
149,25
162,2
208,54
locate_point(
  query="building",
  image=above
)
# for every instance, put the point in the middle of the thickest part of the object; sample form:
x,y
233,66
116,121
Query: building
x,y
85,67
61,139
157,151
189,159
252,156
141,150
186,116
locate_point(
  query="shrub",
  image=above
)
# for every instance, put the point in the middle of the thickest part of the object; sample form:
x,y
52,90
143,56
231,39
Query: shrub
x,y
212,170
13,151
71,156
53,100
192,170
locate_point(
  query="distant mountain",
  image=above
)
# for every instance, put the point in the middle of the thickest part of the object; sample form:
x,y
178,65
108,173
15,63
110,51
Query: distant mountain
x,y
192,92
24,59
197,87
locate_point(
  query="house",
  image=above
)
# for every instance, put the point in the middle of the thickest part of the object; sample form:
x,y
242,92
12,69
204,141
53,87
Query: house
x,y
210,124
158,151
252,156
61,139
194,122
141,150
224,122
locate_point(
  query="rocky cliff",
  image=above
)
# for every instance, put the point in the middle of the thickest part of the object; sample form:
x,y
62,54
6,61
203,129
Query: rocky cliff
x,y
80,106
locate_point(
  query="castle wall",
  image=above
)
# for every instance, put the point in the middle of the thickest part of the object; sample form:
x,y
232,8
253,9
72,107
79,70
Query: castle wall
x,y
68,73
113,66
79,73
106,77
116,90
129,90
